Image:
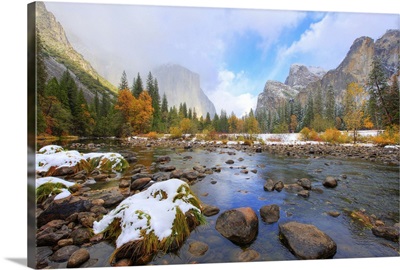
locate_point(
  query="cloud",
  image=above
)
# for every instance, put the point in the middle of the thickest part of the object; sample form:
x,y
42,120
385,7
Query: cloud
x,y
233,93
326,42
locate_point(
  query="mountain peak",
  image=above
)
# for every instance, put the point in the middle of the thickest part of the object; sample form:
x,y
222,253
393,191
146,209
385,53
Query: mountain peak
x,y
183,85
300,76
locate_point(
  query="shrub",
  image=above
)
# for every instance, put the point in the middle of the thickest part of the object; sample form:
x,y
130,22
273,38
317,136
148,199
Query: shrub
x,y
176,133
305,133
248,142
332,135
313,136
389,136
152,135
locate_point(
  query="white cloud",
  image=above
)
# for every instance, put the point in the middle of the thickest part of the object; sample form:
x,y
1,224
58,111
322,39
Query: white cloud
x,y
326,42
233,93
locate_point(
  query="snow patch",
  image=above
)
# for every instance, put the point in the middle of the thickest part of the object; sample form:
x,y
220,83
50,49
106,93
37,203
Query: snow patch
x,y
54,180
58,159
149,211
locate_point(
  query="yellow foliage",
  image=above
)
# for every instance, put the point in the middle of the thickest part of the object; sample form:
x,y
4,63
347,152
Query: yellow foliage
x,y
175,132
152,135
304,133
391,135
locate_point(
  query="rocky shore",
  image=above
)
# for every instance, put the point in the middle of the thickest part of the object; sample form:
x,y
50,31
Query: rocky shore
x,y
389,155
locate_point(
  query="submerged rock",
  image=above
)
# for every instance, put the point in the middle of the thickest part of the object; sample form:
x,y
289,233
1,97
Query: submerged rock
x,y
270,213
63,254
209,210
198,248
330,182
248,255
306,241
387,232
269,186
238,225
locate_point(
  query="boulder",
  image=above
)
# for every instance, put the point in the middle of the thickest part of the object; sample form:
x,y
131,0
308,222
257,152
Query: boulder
x,y
61,209
305,183
306,241
387,232
279,186
176,174
238,225
62,171
63,254
51,235
330,182
78,258
269,186
270,213
42,257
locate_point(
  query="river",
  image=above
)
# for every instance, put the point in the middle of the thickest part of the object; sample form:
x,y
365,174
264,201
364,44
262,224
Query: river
x,y
363,186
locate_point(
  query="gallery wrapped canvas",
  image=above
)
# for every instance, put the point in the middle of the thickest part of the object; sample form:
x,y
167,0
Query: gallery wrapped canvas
x,y
162,135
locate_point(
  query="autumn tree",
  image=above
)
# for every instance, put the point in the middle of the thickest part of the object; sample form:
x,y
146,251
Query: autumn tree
x,y
293,123
354,102
143,112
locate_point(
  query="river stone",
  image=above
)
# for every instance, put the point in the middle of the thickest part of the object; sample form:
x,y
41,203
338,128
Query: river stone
x,y
163,159
50,236
333,213
100,177
169,168
177,173
269,186
330,182
124,183
304,193
305,183
198,248
248,255
42,257
63,254
65,242
140,183
229,161
190,175
87,219
81,236
270,213
306,241
293,188
209,210
387,232
239,225
78,258
279,186
62,171
61,209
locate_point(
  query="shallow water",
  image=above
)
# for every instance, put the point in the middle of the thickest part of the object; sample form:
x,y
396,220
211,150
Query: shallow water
x,y
369,186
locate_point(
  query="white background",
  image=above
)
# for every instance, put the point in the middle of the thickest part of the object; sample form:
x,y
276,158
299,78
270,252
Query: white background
x,y
13,143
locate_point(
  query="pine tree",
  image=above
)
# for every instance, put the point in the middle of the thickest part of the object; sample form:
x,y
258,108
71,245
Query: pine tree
x,y
330,106
309,112
137,87
155,99
378,89
124,82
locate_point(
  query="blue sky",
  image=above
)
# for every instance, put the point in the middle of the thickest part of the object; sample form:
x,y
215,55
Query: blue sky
x,y
235,51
